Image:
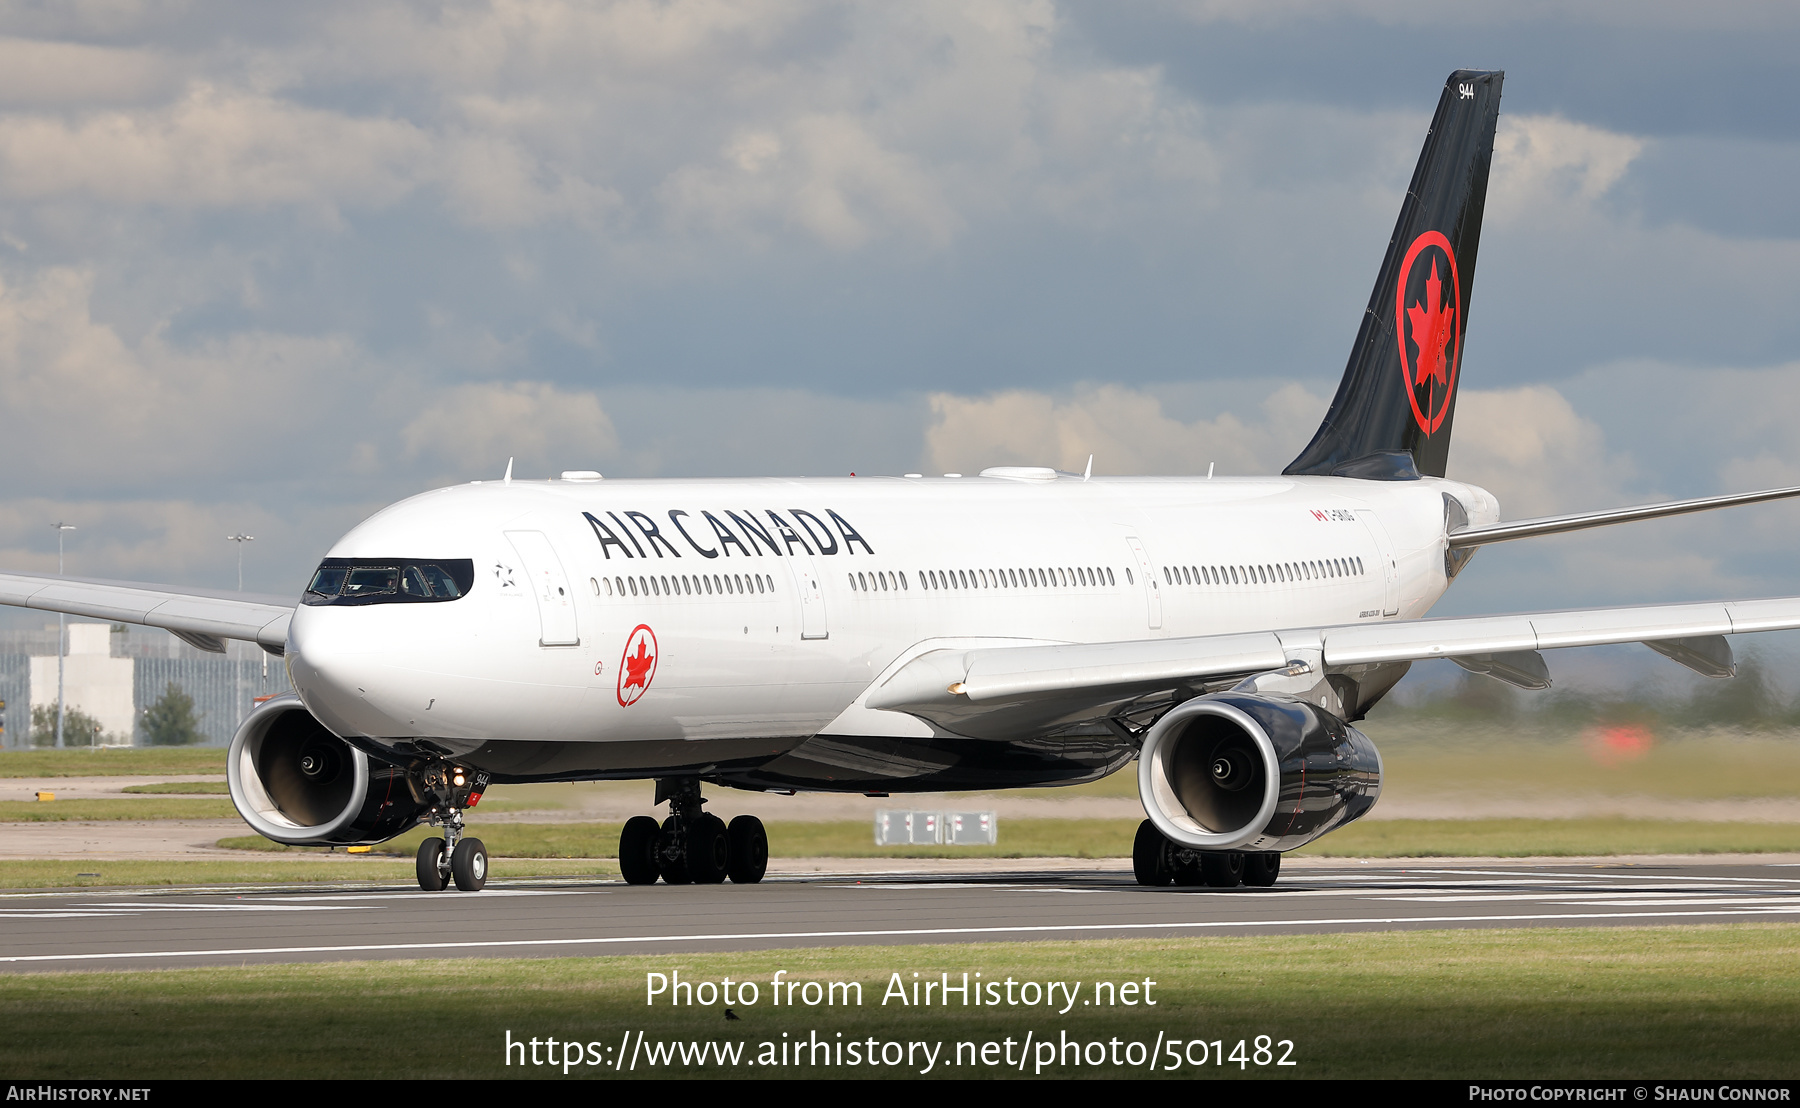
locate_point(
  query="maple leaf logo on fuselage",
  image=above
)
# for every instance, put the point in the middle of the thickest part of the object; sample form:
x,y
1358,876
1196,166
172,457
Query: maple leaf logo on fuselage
x,y
1433,328
637,669
637,665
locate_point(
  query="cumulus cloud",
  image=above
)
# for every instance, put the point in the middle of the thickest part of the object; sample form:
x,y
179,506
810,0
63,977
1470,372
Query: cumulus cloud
x,y
96,410
477,427
1543,163
211,148
1125,429
60,74
1531,449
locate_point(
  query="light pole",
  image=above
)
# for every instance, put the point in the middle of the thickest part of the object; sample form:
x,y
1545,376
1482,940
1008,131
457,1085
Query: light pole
x,y
237,667
240,538
62,625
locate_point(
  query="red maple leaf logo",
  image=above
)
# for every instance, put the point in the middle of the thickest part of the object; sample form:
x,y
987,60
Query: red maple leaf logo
x,y
1433,326
637,669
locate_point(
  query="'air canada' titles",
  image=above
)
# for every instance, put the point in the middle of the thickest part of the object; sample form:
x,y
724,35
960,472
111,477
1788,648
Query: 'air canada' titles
x,y
639,535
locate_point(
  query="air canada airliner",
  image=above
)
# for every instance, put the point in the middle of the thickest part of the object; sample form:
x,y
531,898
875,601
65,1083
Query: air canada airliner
x,y
1022,627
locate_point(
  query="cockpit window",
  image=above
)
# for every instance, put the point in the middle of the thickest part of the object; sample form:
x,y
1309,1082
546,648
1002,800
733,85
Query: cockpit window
x,y
372,580
329,581
390,581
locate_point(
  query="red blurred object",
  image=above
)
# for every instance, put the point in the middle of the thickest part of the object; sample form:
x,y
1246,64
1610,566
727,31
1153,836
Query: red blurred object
x,y
1614,744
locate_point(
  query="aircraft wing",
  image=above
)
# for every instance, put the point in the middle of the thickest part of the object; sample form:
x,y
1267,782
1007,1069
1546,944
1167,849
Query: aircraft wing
x,y
1040,690
204,618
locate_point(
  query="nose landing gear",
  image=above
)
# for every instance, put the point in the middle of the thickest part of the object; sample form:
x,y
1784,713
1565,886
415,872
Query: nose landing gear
x,y
691,847
446,789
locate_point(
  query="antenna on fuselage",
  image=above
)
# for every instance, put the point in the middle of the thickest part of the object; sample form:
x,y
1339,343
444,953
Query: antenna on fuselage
x,y
1089,472
507,480
1209,469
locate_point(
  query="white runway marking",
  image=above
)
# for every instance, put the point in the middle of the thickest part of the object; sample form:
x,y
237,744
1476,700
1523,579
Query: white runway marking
x,y
421,894
117,910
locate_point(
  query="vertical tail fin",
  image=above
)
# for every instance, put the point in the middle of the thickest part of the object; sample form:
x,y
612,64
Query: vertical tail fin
x,y
1392,413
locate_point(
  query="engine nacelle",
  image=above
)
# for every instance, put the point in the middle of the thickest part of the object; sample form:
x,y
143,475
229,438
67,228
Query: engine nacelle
x,y
1252,772
297,783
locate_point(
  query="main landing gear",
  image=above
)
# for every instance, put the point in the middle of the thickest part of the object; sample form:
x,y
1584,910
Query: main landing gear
x,y
1157,861
691,847
458,858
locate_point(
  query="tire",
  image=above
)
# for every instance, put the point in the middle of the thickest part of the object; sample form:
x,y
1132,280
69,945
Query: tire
x,y
429,863
1261,870
637,851
708,851
1222,870
674,870
469,865
1189,874
1150,856
748,848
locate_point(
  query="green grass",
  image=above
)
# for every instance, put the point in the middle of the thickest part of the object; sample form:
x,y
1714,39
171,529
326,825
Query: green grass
x,y
181,788
108,762
1425,759
38,811
1523,838
1637,1003
259,870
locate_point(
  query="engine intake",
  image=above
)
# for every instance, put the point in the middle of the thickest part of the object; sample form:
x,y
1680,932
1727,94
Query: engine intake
x,y
1251,772
297,783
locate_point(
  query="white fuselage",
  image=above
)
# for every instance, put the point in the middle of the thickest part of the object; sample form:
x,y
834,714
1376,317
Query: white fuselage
x,y
855,574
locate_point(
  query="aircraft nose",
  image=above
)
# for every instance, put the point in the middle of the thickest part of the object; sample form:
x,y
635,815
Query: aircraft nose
x,y
335,669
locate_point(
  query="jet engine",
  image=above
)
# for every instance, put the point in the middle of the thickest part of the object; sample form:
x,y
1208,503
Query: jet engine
x,y
297,783
1254,772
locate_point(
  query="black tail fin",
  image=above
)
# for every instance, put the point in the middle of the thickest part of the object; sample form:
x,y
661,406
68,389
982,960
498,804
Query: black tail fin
x,y
1391,416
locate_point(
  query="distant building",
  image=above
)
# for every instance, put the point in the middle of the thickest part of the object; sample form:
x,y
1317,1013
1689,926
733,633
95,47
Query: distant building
x,y
224,686
93,681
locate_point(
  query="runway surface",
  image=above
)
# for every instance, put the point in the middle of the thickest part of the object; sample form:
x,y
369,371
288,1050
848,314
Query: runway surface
x,y
140,929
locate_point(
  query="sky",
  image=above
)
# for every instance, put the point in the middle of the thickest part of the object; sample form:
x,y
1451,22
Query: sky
x,y
267,268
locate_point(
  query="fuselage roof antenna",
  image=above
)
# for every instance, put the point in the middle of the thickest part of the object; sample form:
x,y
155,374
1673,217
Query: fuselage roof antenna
x,y
1089,472
507,480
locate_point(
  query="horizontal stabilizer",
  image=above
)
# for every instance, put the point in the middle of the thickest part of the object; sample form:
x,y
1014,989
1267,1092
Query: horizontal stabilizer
x,y
1556,525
